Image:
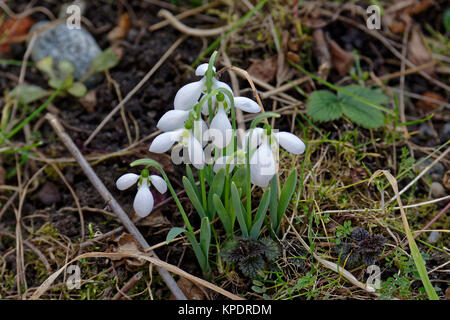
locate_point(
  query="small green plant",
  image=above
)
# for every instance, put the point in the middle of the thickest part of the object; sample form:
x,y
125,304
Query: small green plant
x,y
226,170
324,105
62,72
343,231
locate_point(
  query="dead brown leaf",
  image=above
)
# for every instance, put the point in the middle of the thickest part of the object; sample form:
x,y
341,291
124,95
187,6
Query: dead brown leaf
x,y
427,106
126,244
446,180
11,29
89,101
122,28
341,60
264,70
418,51
154,220
420,7
190,290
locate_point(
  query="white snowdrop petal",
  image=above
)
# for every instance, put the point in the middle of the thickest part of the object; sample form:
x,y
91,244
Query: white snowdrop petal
x,y
127,180
143,202
195,152
290,142
220,129
201,69
164,141
172,120
255,140
246,104
159,183
262,166
188,95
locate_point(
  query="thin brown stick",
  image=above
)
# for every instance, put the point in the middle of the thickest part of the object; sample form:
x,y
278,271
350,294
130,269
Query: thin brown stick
x,y
127,287
192,31
110,201
135,89
185,14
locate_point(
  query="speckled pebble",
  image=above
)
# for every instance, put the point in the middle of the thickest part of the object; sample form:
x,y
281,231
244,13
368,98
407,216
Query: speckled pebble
x,y
436,172
434,237
61,43
437,190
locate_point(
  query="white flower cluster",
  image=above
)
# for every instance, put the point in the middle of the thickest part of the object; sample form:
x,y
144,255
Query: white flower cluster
x,y
179,125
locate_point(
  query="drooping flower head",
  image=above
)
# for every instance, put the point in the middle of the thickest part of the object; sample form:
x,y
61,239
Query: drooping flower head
x,y
143,201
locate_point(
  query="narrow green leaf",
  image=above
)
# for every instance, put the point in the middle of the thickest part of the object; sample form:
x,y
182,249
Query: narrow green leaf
x,y
193,197
273,205
285,196
237,206
191,178
173,233
205,236
260,214
223,214
216,187
199,254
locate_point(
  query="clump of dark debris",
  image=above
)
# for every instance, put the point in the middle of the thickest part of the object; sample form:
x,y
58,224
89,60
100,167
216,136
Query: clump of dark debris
x,y
360,248
252,255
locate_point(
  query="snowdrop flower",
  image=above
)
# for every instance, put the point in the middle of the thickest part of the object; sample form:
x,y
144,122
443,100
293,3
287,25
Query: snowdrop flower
x,y
220,129
188,95
262,160
186,138
143,202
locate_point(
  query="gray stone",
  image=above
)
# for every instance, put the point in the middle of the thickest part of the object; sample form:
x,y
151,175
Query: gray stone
x,y
437,190
445,133
436,172
61,43
434,237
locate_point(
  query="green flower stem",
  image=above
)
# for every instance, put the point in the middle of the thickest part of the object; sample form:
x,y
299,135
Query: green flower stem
x,y
201,175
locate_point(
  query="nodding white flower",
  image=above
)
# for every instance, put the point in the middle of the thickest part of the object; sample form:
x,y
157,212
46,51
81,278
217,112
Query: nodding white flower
x,y
220,130
262,148
143,201
186,138
189,94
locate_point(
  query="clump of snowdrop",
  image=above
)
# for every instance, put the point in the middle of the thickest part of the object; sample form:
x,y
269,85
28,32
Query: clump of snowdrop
x,y
143,201
203,123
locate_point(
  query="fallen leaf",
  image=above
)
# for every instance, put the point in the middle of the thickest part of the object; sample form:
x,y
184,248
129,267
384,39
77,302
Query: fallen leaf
x,y
126,244
446,180
264,70
49,194
418,51
341,60
293,57
190,290
154,220
89,101
11,29
425,105
322,53
122,28
420,7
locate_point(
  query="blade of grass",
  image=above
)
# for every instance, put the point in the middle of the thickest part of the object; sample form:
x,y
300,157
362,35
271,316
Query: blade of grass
x,y
418,260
